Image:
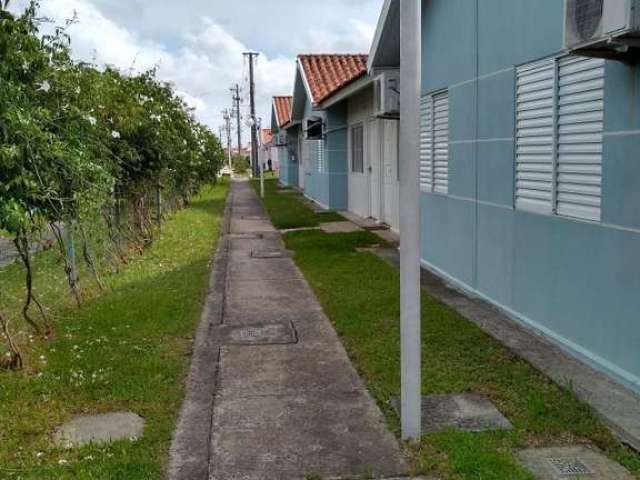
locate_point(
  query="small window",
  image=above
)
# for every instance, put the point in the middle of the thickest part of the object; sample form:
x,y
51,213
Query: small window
x,y
357,149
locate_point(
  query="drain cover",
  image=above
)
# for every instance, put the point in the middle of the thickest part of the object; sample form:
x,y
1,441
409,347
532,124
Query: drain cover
x,y
246,236
569,466
267,254
269,334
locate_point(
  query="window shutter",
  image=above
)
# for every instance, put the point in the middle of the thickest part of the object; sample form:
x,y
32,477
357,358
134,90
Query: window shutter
x,y
320,162
535,136
426,144
441,142
580,137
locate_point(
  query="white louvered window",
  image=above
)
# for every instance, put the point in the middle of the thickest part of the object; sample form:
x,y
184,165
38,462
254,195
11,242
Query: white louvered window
x,y
434,143
560,125
320,157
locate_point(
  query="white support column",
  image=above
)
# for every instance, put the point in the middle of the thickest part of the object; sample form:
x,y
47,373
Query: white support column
x,y
410,86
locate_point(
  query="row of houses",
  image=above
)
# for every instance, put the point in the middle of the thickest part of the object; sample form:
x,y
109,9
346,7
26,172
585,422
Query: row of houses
x,y
529,158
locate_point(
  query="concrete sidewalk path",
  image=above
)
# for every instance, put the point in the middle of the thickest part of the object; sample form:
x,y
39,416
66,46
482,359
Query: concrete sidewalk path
x,y
287,403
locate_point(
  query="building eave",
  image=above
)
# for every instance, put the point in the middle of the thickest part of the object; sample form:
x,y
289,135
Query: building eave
x,y
346,92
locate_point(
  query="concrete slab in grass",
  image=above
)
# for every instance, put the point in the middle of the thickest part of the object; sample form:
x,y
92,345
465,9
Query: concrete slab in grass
x,y
103,428
339,227
467,413
571,463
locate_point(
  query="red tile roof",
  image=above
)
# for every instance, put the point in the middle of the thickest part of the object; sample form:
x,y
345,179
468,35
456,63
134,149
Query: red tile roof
x,y
282,106
326,74
266,136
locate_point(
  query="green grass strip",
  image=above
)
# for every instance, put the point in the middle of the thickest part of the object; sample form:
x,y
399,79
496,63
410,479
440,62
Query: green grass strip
x,y
127,349
360,293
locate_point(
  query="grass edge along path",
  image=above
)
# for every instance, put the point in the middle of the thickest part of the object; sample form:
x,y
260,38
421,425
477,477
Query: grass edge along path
x,y
291,209
127,349
360,294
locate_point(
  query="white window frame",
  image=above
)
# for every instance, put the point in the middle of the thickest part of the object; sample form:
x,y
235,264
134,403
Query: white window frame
x,y
359,125
577,139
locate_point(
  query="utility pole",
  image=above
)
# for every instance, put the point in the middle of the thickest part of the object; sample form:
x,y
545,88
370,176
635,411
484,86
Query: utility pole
x,y
252,95
236,110
226,115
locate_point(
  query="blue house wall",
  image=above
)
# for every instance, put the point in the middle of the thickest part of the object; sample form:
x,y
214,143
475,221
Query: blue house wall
x,y
289,159
326,172
576,281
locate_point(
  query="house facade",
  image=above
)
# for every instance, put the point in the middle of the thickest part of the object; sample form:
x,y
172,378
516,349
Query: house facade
x,y
267,152
348,156
280,119
530,172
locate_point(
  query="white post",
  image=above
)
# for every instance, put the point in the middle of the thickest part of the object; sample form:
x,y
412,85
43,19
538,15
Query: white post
x,y
261,178
410,78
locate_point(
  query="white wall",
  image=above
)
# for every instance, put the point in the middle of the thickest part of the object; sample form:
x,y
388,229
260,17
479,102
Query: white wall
x,y
374,193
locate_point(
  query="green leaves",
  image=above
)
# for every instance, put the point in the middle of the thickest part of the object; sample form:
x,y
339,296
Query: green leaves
x,y
70,132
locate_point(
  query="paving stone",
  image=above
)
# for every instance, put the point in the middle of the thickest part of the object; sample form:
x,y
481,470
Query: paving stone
x,y
340,227
467,413
288,437
245,236
239,225
262,334
268,253
571,463
257,269
299,369
103,428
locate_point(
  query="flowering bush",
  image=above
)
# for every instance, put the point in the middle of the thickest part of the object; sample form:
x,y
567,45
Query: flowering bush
x,y
76,141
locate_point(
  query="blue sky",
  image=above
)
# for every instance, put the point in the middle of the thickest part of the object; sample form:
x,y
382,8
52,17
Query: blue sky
x,y
198,44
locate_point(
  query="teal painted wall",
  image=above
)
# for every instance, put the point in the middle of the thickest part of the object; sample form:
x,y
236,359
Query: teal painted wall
x,y
577,282
328,185
289,159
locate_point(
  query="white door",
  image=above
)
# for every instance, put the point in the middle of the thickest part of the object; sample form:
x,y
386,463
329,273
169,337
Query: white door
x,y
358,175
391,185
374,159
301,161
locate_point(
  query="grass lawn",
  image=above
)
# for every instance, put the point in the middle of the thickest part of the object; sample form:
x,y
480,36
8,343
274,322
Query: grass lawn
x,y
360,293
125,349
291,209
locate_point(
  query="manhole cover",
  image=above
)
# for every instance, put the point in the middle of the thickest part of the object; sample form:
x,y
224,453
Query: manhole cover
x,y
270,334
267,254
569,466
246,236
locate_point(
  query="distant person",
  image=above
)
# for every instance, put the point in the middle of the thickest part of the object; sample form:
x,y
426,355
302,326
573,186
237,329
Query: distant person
x,y
270,165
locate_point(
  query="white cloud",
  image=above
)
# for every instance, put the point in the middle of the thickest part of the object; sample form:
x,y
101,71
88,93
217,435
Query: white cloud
x,y
202,54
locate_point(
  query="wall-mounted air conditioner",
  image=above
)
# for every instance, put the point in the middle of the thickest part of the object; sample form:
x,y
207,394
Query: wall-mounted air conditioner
x,y
606,28
387,94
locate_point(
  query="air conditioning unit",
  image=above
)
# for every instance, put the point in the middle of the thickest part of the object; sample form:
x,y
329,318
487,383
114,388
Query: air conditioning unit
x,y
387,94
599,26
